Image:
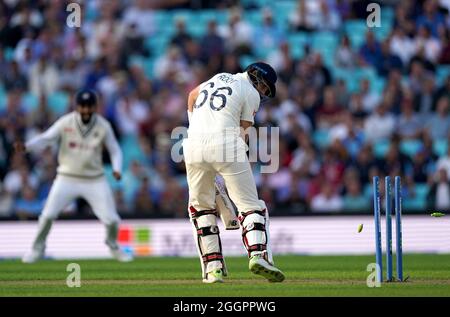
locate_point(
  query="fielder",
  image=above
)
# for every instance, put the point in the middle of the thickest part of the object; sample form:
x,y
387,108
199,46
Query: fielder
x,y
81,136
219,109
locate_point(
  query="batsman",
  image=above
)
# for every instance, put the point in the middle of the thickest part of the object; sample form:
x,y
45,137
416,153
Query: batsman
x,y
219,111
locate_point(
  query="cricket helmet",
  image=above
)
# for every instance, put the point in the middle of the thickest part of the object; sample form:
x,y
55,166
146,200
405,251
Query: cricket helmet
x,y
260,71
86,97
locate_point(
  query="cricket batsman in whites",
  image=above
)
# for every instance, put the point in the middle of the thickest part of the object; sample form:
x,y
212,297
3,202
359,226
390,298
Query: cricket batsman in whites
x,y
219,110
81,136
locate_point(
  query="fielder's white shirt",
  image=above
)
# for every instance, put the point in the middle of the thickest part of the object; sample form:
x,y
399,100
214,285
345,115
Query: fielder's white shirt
x,y
222,103
80,145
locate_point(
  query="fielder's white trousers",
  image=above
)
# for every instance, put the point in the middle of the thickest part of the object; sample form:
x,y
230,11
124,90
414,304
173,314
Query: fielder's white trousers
x,y
205,157
95,191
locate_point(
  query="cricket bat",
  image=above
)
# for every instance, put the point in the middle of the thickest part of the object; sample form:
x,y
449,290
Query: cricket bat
x,y
225,207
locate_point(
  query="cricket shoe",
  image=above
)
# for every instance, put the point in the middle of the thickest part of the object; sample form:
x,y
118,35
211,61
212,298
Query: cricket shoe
x,y
258,265
120,255
33,256
215,276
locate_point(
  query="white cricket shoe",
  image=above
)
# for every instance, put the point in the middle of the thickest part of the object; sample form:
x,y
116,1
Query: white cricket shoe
x,y
215,276
33,256
258,265
121,256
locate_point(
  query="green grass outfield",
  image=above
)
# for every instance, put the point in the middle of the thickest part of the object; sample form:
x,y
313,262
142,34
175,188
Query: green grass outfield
x,y
429,275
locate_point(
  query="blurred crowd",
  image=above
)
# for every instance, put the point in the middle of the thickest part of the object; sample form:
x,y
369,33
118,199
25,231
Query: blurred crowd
x,y
336,131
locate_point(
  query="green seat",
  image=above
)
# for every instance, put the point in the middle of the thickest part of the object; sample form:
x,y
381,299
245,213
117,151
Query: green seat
x,y
380,148
297,42
131,150
254,17
387,14
382,32
30,101
416,203
322,40
355,26
2,98
321,138
58,102
440,147
246,60
422,190
158,44
356,39
410,147
442,72
368,191
110,178
197,30
9,54
148,65
377,84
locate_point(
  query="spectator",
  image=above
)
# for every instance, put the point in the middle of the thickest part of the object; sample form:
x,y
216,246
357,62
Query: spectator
x,y
238,33
438,125
369,99
281,59
388,61
43,77
18,177
430,44
28,205
418,76
171,64
6,203
143,204
431,18
213,47
444,162
328,19
133,43
132,113
71,76
422,167
444,58
327,200
354,200
181,37
268,34
364,162
379,125
330,112
141,14
302,19
370,51
409,125
402,45
13,78
426,99
345,57
439,195
357,110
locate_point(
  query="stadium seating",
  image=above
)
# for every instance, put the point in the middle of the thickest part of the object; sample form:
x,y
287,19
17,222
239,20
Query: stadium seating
x,y
410,147
440,147
58,102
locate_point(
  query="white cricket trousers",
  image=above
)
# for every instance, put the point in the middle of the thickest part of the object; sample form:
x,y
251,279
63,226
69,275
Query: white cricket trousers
x,y
207,156
96,192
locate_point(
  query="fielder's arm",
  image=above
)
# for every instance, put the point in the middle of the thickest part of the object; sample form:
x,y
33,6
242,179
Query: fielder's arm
x,y
114,152
42,140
